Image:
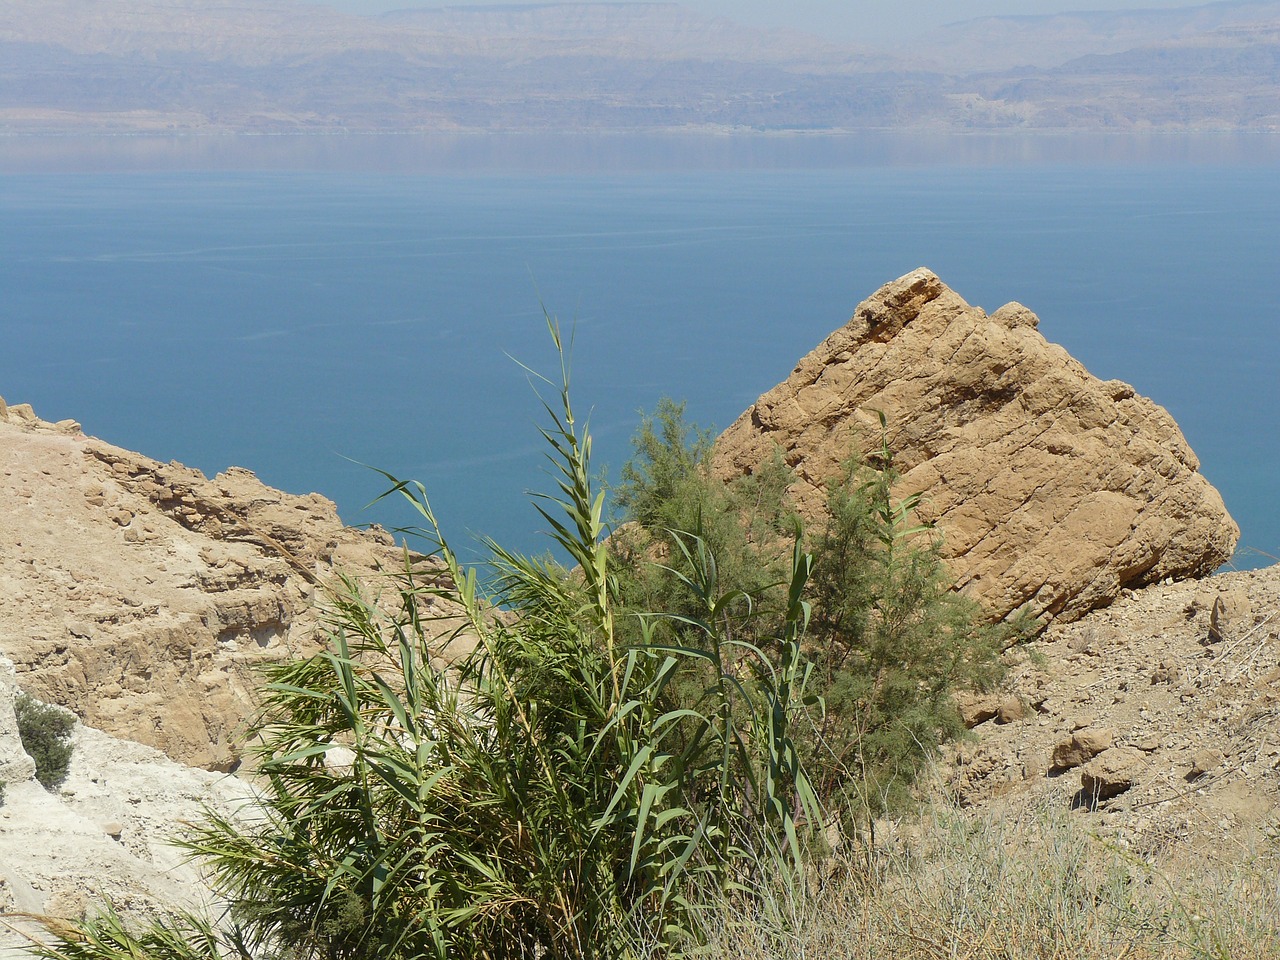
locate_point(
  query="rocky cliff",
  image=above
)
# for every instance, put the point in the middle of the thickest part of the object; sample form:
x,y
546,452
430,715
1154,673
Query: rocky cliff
x,y
1052,490
141,595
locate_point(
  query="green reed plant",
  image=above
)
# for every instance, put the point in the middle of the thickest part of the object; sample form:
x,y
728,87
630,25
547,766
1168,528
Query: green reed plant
x,y
541,796
110,936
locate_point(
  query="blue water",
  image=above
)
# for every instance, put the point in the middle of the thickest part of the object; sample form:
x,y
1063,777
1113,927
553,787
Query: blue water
x,y
296,320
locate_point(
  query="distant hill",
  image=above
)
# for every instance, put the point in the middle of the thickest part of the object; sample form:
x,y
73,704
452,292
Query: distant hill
x,y
284,66
990,44
1226,79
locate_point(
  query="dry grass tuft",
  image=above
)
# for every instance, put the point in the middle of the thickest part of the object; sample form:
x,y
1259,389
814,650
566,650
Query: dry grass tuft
x,y
1040,886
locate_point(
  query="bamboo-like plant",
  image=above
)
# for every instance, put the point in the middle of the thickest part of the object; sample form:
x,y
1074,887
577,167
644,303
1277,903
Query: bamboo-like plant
x,y
542,796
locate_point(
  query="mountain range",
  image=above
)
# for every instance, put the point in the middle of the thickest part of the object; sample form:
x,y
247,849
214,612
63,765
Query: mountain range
x,y
287,66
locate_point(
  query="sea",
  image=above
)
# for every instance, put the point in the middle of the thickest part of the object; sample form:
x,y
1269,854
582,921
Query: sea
x,y
321,308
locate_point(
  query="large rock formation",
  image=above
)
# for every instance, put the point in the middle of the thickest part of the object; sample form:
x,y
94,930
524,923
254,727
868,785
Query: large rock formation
x,y
1052,490
141,595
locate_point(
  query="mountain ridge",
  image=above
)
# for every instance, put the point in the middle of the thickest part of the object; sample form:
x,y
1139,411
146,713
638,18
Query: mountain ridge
x,y
281,66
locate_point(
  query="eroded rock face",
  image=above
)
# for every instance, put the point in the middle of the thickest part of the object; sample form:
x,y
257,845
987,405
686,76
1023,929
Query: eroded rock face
x,y
104,834
140,595
1053,490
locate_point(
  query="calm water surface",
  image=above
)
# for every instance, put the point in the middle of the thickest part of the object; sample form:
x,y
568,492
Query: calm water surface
x,y
296,315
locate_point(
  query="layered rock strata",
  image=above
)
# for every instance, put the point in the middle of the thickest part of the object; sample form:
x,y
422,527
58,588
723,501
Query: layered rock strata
x,y
141,595
1052,490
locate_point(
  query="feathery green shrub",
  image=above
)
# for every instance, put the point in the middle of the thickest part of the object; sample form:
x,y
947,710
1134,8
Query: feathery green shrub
x,y
890,640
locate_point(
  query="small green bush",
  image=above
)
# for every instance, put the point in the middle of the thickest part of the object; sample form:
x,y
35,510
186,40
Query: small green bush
x,y
45,731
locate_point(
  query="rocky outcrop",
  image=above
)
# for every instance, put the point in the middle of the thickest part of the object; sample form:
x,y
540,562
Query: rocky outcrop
x,y
142,595
1081,747
1052,490
1111,773
15,765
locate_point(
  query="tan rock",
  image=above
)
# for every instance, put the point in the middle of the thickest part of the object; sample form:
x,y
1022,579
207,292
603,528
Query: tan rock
x,y
976,708
106,835
1112,772
1011,710
1053,490
1081,747
1204,760
1169,670
15,765
1229,612
143,596
1216,618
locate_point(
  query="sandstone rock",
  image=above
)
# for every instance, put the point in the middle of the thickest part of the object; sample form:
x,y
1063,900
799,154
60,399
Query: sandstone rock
x,y
1229,611
1081,747
105,836
15,765
1053,490
1169,670
976,708
1011,710
1216,618
985,772
1111,773
142,595
1204,760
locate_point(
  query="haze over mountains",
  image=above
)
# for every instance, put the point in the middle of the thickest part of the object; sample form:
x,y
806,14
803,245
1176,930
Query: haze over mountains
x,y
285,66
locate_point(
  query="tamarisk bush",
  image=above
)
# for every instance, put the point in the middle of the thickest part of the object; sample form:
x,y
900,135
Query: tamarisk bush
x,y
890,640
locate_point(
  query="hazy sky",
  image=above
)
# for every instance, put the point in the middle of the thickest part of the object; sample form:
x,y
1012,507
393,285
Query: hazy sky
x,y
842,19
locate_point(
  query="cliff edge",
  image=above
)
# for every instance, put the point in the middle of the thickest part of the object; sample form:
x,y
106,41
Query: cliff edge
x,y
141,595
